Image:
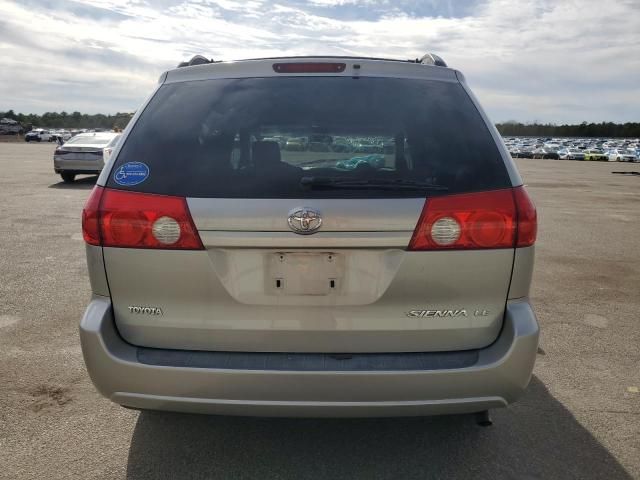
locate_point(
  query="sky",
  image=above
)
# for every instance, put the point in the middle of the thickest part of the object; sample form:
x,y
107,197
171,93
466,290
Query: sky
x,y
531,60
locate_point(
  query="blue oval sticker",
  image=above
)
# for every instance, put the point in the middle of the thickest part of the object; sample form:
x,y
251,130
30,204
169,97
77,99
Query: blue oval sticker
x,y
131,173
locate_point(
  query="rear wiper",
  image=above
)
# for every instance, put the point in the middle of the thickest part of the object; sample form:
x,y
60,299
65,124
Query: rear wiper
x,y
318,160
370,184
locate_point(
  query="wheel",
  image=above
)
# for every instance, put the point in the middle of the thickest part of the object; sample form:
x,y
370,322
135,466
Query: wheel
x,y
68,177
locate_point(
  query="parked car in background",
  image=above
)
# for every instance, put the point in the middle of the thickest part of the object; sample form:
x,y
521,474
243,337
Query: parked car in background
x,y
526,152
552,153
513,151
38,135
596,155
621,155
547,153
82,154
570,154
60,136
8,126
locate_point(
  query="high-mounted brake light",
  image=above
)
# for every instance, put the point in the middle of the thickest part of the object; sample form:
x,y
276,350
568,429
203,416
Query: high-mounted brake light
x,y
116,218
309,67
496,219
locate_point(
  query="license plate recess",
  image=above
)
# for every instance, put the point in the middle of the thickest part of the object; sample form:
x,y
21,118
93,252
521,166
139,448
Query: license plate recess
x,y
304,273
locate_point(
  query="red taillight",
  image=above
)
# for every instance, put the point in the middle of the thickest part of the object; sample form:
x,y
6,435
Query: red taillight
x,y
309,67
495,219
116,218
91,217
527,218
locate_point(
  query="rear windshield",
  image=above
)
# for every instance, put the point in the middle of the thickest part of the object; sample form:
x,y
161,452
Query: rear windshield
x,y
310,137
89,140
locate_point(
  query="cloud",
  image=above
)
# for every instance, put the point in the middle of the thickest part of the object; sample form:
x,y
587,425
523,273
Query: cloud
x,y
559,61
75,8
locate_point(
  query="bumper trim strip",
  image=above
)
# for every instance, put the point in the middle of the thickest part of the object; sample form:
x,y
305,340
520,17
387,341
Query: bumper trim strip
x,y
308,361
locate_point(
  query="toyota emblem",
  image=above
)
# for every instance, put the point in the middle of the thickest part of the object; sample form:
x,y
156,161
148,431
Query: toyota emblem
x,y
304,220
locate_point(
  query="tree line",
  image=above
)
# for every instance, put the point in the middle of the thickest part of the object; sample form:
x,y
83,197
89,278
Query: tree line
x,y
69,120
584,129
511,128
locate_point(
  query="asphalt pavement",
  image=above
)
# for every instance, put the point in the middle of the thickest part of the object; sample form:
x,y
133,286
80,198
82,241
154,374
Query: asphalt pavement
x,y
580,417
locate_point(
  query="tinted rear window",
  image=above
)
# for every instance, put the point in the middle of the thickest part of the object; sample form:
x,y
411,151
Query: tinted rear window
x,y
258,137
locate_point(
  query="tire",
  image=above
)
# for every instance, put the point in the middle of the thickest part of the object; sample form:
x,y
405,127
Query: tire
x,y
68,177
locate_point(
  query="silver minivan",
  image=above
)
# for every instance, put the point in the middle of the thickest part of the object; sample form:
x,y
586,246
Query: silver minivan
x,y
379,268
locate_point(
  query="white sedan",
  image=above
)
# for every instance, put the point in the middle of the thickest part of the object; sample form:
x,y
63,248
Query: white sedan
x,y
38,135
82,154
571,154
620,155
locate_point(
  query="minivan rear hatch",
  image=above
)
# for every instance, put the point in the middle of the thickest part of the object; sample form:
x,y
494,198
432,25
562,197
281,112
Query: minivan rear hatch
x,y
306,193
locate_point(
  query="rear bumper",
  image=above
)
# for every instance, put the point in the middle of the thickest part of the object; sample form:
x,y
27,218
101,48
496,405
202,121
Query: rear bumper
x,y
497,378
77,166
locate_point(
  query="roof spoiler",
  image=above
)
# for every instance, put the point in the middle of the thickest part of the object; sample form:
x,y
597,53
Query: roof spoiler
x,y
428,59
